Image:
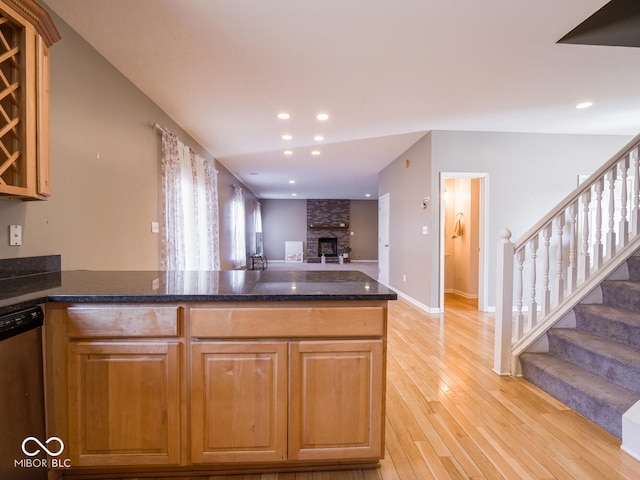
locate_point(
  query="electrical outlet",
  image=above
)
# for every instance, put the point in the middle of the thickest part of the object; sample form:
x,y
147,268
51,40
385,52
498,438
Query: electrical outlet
x,y
15,235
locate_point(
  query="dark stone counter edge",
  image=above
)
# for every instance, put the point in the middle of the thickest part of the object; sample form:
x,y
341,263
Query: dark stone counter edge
x,y
37,300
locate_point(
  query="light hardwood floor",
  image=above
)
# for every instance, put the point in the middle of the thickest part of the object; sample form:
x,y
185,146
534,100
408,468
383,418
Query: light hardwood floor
x,y
450,417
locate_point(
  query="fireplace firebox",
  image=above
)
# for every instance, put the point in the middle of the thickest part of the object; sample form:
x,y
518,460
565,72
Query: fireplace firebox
x,y
328,246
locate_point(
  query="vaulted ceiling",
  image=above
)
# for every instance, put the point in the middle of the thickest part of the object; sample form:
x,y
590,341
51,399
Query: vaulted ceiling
x,y
385,71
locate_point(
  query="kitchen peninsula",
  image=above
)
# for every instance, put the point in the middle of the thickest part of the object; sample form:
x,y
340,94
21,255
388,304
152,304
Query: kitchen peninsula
x,y
165,373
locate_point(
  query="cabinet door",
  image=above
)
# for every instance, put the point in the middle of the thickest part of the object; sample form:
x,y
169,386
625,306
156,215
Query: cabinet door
x,y
124,403
336,404
17,103
238,402
43,119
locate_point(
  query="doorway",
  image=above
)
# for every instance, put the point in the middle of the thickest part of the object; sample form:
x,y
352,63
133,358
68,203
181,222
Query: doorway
x,y
462,237
383,239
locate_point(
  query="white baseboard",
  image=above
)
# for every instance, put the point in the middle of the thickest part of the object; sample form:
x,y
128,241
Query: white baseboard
x,y
413,301
468,296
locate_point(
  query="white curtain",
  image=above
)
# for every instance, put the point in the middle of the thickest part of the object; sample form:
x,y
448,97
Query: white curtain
x,y
257,215
238,242
190,239
257,226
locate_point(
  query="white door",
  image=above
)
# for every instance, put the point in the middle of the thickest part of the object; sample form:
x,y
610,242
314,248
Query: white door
x,y
383,239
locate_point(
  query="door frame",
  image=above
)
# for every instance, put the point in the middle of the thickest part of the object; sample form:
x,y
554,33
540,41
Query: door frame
x,y
483,257
384,201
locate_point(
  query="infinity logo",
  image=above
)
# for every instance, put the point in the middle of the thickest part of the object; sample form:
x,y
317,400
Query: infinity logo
x,y
43,446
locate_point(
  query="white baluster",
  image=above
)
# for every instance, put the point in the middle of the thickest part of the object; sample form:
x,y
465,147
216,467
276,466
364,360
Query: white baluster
x,y
635,211
572,269
597,246
585,259
623,230
611,234
559,272
520,254
533,306
546,293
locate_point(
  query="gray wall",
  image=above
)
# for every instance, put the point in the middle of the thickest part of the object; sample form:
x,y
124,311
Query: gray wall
x,y
527,175
411,253
364,228
283,220
105,163
287,220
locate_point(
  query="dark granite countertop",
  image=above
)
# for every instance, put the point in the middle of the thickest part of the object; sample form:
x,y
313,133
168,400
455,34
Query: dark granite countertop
x,y
211,286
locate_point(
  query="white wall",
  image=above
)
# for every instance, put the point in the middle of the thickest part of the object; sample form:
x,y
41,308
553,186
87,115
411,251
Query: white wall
x,y
527,175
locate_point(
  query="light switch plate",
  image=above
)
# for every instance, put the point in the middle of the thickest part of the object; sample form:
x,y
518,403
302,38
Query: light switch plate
x,y
15,235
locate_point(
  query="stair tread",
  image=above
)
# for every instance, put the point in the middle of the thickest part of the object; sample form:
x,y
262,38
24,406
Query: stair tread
x,y
610,349
626,283
590,383
609,312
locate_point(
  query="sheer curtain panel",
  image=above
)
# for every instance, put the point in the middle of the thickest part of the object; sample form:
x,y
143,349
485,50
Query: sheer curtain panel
x,y
190,239
238,242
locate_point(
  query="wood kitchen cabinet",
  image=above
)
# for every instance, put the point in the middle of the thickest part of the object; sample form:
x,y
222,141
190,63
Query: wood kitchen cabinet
x,y
124,403
238,401
332,386
336,399
116,383
216,387
26,33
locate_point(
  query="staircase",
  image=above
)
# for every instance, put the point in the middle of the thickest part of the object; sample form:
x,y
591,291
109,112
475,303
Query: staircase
x,y
577,249
594,368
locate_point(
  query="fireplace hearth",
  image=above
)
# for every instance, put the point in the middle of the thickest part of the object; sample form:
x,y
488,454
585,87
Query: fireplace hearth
x,y
328,246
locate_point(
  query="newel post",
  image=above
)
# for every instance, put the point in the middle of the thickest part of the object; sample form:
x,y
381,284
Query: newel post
x,y
504,305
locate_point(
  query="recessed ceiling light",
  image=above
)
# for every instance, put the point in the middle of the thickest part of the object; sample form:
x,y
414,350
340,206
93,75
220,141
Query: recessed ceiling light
x,y
367,194
287,137
318,138
288,152
294,194
322,116
583,105
284,116
292,181
315,152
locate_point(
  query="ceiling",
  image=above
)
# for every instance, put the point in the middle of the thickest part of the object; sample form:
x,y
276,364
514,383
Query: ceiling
x,y
385,71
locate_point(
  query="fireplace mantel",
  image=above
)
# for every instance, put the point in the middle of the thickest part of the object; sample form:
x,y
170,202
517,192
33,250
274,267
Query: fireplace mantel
x,y
343,226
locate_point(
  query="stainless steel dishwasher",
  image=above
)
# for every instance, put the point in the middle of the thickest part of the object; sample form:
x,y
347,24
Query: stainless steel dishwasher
x,y
22,420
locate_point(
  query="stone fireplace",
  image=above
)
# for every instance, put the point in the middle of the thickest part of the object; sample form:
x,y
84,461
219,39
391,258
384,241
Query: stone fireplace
x,y
327,229
328,246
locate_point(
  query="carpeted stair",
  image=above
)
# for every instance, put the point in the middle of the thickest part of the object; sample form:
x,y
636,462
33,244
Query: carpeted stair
x,y
595,367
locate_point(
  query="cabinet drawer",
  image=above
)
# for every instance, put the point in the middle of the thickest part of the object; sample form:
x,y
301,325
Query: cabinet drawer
x,y
117,322
287,322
